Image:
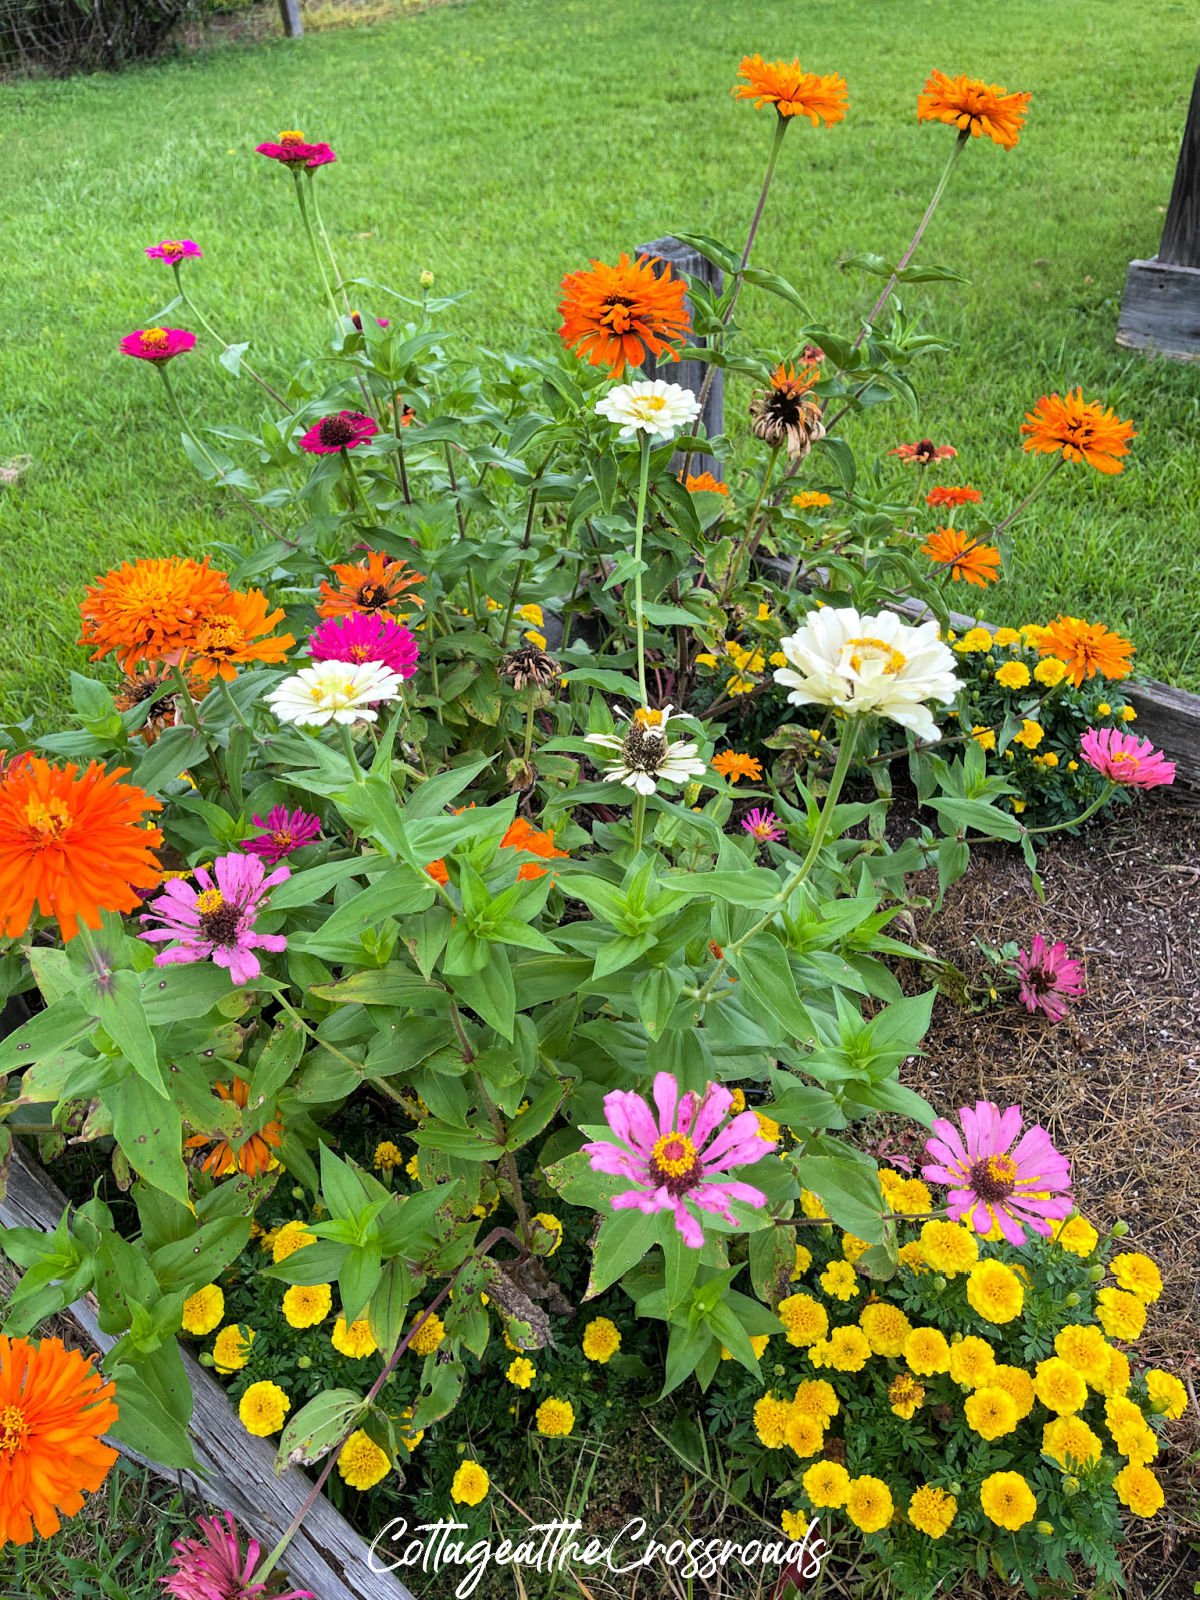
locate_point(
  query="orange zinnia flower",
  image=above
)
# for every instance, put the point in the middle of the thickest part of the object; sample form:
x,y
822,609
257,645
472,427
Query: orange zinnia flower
x,y
704,483
923,452
953,495
1085,649
793,92
437,871
966,557
376,584
973,107
1083,430
54,1409
522,835
254,1157
732,764
614,315
229,636
73,844
149,610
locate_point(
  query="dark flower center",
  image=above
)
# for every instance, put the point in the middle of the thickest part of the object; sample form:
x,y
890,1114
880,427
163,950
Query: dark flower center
x,y
219,920
994,1178
373,595
337,431
675,1164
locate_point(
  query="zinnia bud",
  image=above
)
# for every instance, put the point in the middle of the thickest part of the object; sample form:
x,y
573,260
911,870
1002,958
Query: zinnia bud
x,y
1120,1229
427,279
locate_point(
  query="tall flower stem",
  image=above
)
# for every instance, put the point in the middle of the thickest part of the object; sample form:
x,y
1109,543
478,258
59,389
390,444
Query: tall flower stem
x,y
347,739
639,620
224,343
191,716
302,199
957,150
523,563
401,465
356,489
752,529
1030,497
1106,795
639,821
218,471
316,209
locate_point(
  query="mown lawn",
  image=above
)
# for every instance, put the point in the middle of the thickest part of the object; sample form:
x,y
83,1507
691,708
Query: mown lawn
x,y
501,142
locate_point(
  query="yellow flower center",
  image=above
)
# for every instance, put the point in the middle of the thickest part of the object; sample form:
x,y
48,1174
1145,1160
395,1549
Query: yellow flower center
x,y
291,136
173,247
155,338
994,1178
208,901
49,821
220,635
14,1430
1126,756
648,719
875,650
674,1157
646,406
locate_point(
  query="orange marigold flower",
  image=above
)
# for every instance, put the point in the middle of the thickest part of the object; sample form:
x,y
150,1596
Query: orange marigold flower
x,y
732,764
149,610
254,1156
72,843
615,315
230,635
953,495
522,835
1083,430
966,557
973,107
54,1409
376,584
793,92
923,452
1085,649
438,872
703,483
811,500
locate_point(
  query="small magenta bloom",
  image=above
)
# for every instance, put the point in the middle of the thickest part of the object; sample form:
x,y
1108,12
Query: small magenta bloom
x,y
1123,758
366,636
1048,980
993,1185
173,251
157,344
295,151
343,431
216,922
285,831
213,1567
763,826
670,1162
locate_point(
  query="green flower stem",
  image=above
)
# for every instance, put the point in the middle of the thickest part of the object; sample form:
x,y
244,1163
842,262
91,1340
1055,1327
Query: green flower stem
x,y
523,563
1030,497
312,241
401,466
453,477
223,688
190,433
224,343
639,620
192,717
357,495
351,754
526,752
639,821
1056,827
316,209
752,520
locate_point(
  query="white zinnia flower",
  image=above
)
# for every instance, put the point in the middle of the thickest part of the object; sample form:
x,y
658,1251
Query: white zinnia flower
x,y
870,664
645,754
649,406
334,691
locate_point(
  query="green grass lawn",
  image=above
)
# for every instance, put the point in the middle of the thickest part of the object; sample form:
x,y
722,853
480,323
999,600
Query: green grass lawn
x,y
500,143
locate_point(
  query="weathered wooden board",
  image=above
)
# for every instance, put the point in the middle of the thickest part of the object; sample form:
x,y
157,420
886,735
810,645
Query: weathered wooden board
x,y
289,15
690,374
326,1555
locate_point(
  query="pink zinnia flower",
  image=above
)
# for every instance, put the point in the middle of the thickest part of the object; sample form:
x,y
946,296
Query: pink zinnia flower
x,y
216,922
762,825
1048,980
1123,758
366,636
157,344
295,151
343,431
173,250
671,1162
285,831
993,1185
356,319
213,1568
923,452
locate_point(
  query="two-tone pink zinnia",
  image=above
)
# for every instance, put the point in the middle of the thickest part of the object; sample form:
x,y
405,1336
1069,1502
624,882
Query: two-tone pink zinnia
x,y
157,344
214,1568
1122,758
674,1162
996,1180
345,430
215,921
366,636
284,831
763,826
293,150
1047,978
172,251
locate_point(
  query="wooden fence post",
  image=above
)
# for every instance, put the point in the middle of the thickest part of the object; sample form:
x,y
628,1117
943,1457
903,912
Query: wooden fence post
x,y
1160,309
289,15
690,374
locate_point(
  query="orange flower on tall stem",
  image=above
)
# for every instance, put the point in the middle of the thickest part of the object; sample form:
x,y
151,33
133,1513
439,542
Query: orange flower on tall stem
x,y
974,107
792,91
968,559
703,483
230,636
376,584
1082,430
54,1410
73,844
953,495
615,316
254,1156
149,610
1085,649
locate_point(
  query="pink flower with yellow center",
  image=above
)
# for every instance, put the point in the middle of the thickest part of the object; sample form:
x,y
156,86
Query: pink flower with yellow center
x,y
215,921
993,1184
294,151
173,251
762,826
1123,758
157,344
345,430
1047,979
366,636
283,833
675,1161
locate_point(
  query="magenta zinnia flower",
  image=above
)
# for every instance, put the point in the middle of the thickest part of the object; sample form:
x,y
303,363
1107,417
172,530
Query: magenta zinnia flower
x,y
366,636
157,344
216,922
993,1185
671,1162
213,1567
285,831
1122,758
343,431
173,250
1048,980
295,151
763,826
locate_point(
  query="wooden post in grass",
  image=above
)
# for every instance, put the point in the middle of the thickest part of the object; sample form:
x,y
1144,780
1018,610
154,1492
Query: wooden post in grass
x,y
690,374
289,15
1160,309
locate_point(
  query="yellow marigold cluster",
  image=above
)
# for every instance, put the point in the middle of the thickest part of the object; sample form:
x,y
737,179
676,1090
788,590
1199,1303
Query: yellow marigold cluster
x,y
202,1311
470,1485
555,1418
231,1348
994,1291
353,1340
428,1336
362,1463
931,1510
1137,1275
1120,1314
287,1240
262,1409
840,1281
521,1372
307,1304
601,1340
948,1248
804,1319
972,1362
885,1326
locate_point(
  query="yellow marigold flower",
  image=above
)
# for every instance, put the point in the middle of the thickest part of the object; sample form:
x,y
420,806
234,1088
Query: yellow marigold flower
x,y
1104,709
794,1523
428,1336
816,1398
840,1281
1049,671
306,1304
869,1503
804,1319
810,500
535,638
767,1129
1128,714
1137,1275
905,1395
1167,1395
262,1409
1013,675
202,1311
811,1205
1070,1442
912,1198
409,1437
948,1248
927,1352
555,1418
990,1411
1017,1384
1085,1348
1117,1381
412,1168
231,1348
848,1349
521,1372
471,1484
984,736
886,1328
1138,1488
601,1340
1050,759
532,614
1078,1236
353,1340
705,659
387,1157
972,1362
804,1435
1121,1315
826,1484
802,1262
976,641
553,1225
771,1419
1007,1500
911,1256
1006,638
1131,1434
1059,1387
291,1237
758,1343
931,1510
852,1248
777,658
361,1462
995,1291
1031,734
